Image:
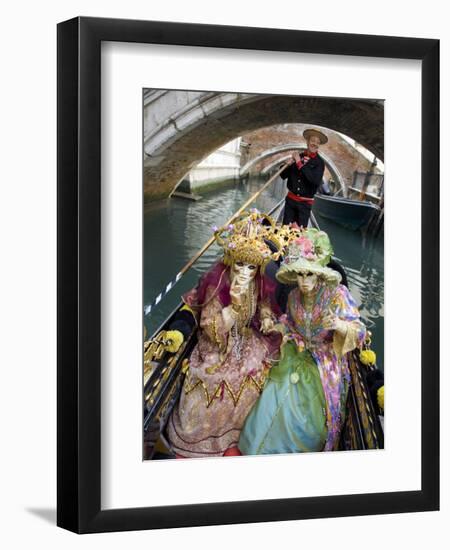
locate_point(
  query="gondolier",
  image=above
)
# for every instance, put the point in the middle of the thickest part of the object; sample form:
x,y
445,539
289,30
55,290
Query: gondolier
x,y
304,174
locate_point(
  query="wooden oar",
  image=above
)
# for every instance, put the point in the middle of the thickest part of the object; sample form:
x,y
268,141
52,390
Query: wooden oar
x,y
235,215
171,284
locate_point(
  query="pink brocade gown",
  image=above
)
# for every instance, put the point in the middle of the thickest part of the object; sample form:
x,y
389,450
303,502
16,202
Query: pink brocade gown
x,y
221,385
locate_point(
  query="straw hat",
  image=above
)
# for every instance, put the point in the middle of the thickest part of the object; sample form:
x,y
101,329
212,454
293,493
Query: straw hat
x,y
309,132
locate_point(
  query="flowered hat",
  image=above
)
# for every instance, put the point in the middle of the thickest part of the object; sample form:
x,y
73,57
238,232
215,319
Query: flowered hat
x,y
308,252
246,240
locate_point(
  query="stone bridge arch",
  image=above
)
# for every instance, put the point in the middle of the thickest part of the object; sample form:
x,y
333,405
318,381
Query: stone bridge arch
x,y
181,128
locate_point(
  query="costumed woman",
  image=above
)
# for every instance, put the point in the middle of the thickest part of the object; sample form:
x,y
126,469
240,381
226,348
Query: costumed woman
x,y
302,406
235,309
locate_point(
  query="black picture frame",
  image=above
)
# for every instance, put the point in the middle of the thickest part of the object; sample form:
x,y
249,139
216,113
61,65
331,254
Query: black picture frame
x,y
79,280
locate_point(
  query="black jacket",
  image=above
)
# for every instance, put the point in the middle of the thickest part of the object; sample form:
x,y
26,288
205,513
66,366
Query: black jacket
x,y
306,181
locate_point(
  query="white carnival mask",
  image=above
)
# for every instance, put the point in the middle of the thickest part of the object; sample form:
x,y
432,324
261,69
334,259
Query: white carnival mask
x,y
307,282
243,273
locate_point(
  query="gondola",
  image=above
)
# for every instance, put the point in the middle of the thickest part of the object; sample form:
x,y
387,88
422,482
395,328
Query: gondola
x,y
164,374
350,213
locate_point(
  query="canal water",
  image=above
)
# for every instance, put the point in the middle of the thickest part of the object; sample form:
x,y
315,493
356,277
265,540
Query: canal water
x,y
175,229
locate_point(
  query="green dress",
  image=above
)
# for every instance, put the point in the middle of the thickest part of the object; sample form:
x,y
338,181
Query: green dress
x,y
289,416
302,406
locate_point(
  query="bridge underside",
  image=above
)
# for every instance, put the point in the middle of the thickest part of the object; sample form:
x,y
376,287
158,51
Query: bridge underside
x,y
180,147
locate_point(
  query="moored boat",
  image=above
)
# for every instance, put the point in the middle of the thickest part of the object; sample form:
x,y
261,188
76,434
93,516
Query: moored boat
x,y
351,213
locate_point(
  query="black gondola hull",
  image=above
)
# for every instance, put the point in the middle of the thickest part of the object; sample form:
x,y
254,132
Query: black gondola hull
x,y
352,214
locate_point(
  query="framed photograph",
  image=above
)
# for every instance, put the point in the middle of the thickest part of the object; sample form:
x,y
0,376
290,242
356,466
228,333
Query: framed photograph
x,y
248,275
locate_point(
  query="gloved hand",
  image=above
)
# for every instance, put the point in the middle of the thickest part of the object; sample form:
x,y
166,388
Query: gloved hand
x,y
267,325
331,322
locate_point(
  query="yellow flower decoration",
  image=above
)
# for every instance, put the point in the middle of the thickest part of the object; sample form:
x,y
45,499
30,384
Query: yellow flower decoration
x,y
175,338
188,308
380,397
368,357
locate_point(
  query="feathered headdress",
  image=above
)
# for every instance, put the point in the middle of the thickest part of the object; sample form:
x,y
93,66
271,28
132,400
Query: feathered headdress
x,y
248,240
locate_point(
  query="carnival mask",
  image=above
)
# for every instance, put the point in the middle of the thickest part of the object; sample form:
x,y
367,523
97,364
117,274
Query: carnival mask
x,y
243,273
307,282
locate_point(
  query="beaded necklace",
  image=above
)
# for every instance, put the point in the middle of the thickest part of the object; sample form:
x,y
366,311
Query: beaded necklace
x,y
240,329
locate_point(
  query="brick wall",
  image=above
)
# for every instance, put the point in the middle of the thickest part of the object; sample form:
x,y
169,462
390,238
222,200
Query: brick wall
x,y
346,157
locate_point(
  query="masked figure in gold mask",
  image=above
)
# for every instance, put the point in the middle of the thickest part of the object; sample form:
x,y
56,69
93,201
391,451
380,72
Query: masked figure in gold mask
x,y
235,310
302,406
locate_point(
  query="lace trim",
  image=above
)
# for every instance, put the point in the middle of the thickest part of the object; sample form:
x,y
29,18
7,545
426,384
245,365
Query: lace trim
x,y
249,381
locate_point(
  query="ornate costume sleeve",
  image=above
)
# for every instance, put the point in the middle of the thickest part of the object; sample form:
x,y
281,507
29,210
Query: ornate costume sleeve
x,y
346,310
211,321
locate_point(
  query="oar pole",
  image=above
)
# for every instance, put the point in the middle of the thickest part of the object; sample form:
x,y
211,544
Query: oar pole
x,y
235,215
314,220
